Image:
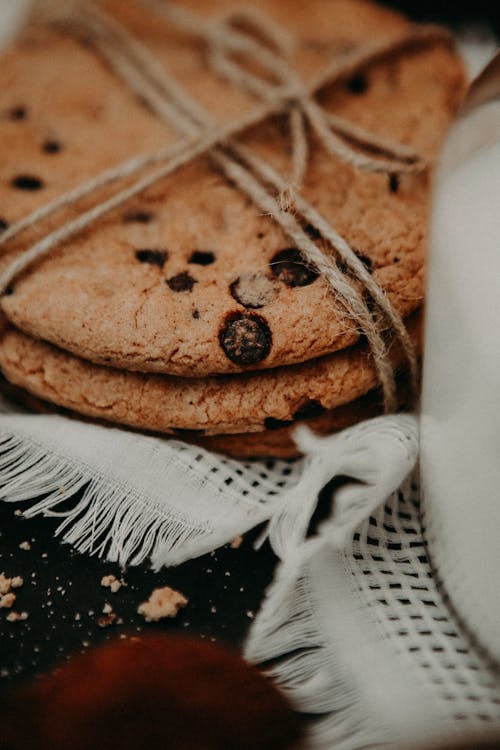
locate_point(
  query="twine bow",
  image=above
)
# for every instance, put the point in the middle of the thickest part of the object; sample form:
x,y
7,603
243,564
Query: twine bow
x,y
202,134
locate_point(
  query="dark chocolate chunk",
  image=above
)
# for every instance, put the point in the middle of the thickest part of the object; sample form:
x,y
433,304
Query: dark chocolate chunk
x,y
289,267
253,290
310,409
140,216
27,182
51,147
358,84
196,314
3,225
393,183
9,291
245,338
183,432
17,113
154,257
202,257
313,233
182,282
271,423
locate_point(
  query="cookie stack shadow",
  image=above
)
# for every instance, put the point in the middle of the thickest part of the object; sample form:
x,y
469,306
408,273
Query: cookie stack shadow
x,y
186,312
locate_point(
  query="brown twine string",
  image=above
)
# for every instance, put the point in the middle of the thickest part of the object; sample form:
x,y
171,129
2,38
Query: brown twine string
x,y
143,74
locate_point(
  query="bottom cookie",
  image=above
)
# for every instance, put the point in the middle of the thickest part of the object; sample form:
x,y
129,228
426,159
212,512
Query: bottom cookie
x,y
278,443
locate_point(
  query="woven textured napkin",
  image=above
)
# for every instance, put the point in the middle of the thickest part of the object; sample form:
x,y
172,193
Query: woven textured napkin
x,y
354,623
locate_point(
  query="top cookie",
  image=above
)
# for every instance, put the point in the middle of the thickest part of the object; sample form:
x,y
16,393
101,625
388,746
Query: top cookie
x,y
190,278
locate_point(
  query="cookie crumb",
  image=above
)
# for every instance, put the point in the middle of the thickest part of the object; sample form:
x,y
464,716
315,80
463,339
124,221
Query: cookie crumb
x,y
111,582
237,542
25,545
7,600
164,602
106,620
5,584
17,582
107,609
16,616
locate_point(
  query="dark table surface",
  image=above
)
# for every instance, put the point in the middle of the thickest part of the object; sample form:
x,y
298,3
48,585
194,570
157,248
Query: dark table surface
x,y
62,591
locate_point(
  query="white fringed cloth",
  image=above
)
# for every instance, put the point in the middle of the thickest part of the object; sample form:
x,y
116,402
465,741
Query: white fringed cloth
x,y
354,628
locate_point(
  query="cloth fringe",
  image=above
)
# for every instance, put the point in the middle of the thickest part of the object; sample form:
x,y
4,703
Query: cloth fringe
x,y
164,507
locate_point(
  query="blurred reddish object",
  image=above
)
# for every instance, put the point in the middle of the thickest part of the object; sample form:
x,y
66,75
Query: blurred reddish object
x,y
152,692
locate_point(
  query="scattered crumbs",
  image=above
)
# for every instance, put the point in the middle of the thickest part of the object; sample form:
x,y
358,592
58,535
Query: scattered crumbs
x,y
44,555
227,573
250,614
104,621
208,570
212,554
242,588
7,600
237,541
91,612
85,644
17,582
5,584
16,616
119,621
213,609
107,609
18,512
111,582
78,617
25,545
164,602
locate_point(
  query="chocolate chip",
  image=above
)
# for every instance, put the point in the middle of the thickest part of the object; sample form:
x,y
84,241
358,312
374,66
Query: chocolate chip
x,y
289,267
260,235
141,217
3,225
154,257
253,290
271,423
310,409
17,113
357,85
245,338
202,257
393,183
183,282
9,291
27,182
51,147
313,233
182,432
196,314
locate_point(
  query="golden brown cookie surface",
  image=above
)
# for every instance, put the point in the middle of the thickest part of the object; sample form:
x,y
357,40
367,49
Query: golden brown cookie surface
x,y
190,407
191,278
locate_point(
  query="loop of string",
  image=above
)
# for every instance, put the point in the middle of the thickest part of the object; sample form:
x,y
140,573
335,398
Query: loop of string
x,y
145,76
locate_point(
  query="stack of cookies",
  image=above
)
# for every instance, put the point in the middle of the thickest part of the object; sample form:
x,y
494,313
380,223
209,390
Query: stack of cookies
x,y
186,311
